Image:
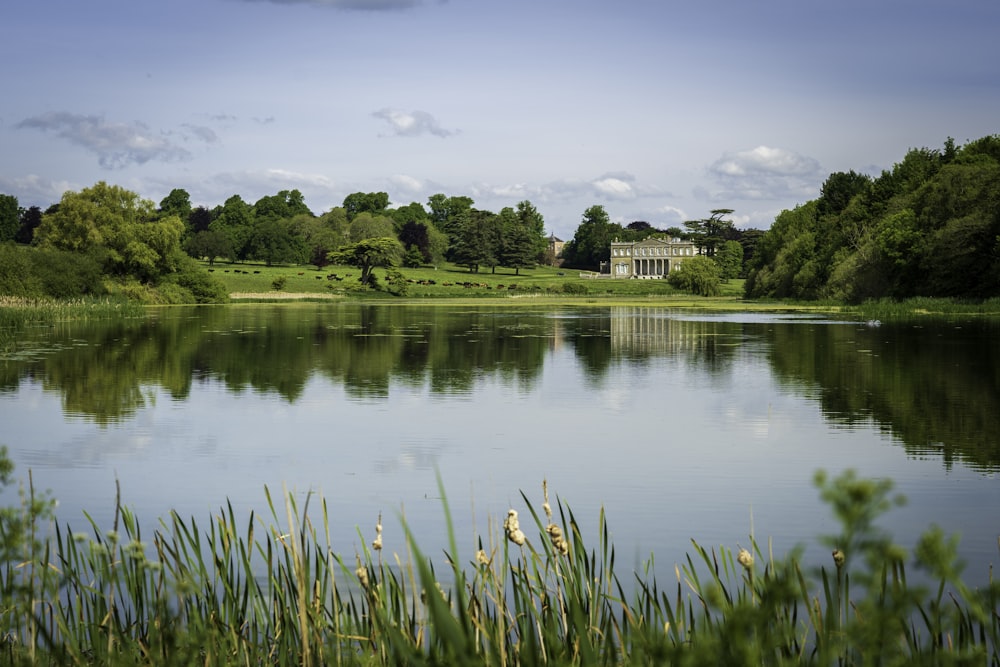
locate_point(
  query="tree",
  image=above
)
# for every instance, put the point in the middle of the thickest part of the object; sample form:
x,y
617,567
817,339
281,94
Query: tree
x,y
235,219
364,225
698,275
730,260
709,233
178,203
365,202
286,204
273,242
368,255
534,224
10,218
518,245
448,214
210,244
198,220
124,229
476,241
30,219
591,244
321,235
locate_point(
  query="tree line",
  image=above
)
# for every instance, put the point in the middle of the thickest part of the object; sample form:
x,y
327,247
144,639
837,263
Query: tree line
x,y
929,226
128,236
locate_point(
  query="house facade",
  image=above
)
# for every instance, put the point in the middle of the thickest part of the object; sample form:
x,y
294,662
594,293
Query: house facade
x,y
652,257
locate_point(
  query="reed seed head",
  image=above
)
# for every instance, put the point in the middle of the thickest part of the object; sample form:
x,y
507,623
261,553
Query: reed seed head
x,y
513,528
839,558
745,558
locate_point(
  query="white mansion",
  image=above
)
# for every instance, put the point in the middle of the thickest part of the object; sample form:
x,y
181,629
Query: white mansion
x,y
650,258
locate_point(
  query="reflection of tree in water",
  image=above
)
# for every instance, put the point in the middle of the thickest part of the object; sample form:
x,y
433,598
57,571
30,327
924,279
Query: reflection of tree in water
x,y
933,387
276,349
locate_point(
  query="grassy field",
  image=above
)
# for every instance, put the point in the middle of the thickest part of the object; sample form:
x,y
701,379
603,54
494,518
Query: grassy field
x,y
447,281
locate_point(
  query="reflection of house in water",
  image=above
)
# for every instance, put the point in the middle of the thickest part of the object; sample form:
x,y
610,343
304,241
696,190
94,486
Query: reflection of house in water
x,y
637,330
649,258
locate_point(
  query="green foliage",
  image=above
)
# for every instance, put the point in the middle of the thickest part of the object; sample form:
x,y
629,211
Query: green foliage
x,y
48,272
279,283
729,257
199,285
124,228
10,218
927,227
591,244
369,254
699,275
274,590
709,233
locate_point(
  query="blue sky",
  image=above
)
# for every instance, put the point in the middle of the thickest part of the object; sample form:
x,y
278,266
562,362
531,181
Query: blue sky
x,y
657,110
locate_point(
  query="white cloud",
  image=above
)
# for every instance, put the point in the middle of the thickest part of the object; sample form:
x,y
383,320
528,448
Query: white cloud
x,y
406,183
764,173
613,188
116,145
412,123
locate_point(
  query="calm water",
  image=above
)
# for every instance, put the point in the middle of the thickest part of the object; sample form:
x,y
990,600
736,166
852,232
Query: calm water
x,y
681,425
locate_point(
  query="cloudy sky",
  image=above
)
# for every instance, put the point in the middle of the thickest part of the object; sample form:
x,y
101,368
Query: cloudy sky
x,y
658,110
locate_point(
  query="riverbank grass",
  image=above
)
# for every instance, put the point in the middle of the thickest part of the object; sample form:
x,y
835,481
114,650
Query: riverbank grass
x,y
274,590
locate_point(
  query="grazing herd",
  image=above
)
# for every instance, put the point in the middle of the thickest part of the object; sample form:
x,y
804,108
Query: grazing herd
x,y
466,284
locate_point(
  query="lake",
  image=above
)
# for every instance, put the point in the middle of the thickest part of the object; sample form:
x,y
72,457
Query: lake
x,y
680,424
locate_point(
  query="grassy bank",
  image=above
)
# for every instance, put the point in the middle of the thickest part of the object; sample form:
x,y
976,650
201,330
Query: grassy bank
x,y
276,591
446,281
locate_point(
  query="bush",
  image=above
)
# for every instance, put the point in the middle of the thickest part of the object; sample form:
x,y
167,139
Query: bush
x,y
575,288
202,287
279,283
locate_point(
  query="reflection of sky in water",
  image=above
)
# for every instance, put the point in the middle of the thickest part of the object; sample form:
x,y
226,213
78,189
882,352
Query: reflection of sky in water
x,y
670,451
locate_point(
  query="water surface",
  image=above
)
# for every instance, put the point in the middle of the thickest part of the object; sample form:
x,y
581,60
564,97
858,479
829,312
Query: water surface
x,y
680,424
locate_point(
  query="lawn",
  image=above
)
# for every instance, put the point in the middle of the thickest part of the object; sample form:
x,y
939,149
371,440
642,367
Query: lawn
x,y
446,281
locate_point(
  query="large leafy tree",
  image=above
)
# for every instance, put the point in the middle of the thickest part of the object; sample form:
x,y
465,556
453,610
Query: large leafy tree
x,y
449,214
178,203
477,240
31,217
122,228
235,219
517,246
698,275
374,203
286,204
368,255
367,226
591,244
534,225
10,218
711,232
273,242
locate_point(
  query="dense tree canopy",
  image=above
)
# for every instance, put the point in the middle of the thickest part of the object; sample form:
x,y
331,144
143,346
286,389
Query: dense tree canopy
x,y
930,226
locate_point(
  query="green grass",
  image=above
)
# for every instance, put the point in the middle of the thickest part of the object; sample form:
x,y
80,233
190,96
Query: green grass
x,y
274,590
450,281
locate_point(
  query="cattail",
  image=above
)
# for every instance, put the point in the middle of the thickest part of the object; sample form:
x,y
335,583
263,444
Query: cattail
x,y
559,543
362,573
377,543
513,528
745,558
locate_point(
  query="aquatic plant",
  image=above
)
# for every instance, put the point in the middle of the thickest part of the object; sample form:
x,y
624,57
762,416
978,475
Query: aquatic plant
x,y
273,590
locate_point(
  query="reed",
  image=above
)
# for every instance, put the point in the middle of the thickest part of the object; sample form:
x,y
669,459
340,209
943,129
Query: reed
x,y
272,590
